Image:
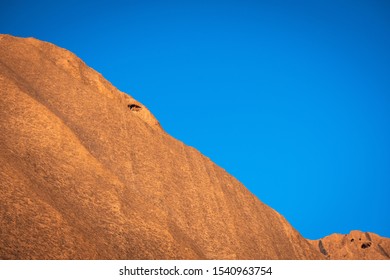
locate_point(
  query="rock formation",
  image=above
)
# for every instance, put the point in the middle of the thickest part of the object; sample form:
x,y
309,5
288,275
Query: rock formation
x,y
87,172
356,245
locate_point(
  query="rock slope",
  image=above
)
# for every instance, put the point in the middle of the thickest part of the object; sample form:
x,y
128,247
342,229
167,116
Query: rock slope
x,y
87,172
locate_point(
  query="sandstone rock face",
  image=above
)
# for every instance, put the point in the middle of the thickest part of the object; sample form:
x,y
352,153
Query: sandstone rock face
x,y
87,172
356,245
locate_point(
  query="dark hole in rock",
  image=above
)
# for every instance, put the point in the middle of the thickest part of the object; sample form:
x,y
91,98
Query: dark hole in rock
x,y
366,245
352,240
134,107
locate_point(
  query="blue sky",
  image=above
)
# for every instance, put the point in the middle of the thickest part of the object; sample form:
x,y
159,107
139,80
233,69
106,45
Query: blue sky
x,y
290,97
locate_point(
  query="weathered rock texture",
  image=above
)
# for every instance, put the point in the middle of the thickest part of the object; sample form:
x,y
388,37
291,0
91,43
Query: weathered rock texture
x,y
86,172
356,245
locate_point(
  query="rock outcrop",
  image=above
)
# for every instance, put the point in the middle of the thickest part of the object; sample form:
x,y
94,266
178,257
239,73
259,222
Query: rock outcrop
x,y
87,172
356,245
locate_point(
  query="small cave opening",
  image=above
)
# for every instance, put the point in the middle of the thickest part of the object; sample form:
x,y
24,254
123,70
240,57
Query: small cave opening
x,y
366,245
352,240
134,107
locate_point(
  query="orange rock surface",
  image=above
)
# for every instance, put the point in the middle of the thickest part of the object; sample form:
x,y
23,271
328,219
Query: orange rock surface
x,y
87,172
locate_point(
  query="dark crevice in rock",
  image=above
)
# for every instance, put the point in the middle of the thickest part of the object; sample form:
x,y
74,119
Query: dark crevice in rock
x,y
383,252
134,107
322,249
368,236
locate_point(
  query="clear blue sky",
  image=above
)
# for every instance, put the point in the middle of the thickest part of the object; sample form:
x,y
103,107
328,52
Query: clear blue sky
x,y
291,97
